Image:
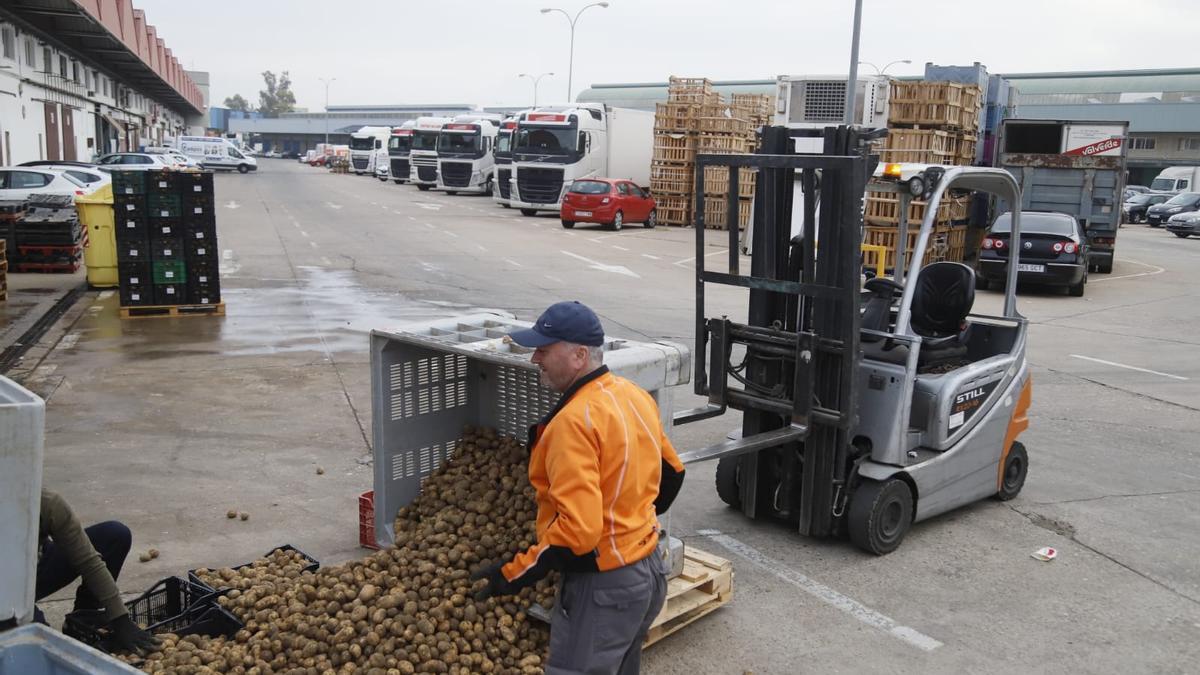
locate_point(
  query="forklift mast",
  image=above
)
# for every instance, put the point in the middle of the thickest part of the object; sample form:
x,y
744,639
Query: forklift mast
x,y
797,354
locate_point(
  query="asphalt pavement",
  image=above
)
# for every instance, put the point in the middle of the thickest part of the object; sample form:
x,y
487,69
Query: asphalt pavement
x,y
166,424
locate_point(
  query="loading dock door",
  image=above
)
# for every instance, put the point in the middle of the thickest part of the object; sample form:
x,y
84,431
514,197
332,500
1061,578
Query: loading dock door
x,y
53,134
68,132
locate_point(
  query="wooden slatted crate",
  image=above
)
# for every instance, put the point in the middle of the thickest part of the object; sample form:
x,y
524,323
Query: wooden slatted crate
x,y
674,148
923,146
724,125
716,213
675,117
946,244
690,90
705,585
719,144
883,208
674,209
716,181
674,179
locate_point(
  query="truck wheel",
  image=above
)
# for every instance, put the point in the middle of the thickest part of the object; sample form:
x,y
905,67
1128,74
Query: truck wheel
x,y
451,192
423,188
507,206
1016,466
880,514
398,181
1182,235
529,212
728,478
617,221
242,168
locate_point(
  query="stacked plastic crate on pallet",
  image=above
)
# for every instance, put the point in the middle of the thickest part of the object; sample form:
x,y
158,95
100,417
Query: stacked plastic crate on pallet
x,y
200,235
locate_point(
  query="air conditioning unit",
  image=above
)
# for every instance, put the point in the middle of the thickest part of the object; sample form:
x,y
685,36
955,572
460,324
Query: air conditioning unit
x,y
819,101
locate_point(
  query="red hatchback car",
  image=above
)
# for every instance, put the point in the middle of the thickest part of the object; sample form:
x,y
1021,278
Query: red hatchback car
x,y
612,202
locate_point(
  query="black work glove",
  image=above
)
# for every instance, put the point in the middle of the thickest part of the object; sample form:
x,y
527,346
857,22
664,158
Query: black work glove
x,y
496,583
126,636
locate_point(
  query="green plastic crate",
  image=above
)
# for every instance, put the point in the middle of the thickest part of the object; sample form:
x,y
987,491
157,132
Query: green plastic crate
x,y
170,271
163,205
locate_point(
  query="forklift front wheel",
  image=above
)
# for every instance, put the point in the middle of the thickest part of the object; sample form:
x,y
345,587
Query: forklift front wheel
x,y
727,482
1016,465
880,514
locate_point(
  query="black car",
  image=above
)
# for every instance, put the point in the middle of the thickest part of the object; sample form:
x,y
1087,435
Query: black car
x,y
1183,202
1131,190
1054,252
1134,208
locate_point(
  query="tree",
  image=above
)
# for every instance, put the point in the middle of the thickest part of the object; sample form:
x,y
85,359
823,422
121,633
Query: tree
x,y
236,102
277,98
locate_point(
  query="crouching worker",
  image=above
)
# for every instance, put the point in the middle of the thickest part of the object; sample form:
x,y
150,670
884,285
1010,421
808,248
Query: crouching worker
x,y
603,470
67,552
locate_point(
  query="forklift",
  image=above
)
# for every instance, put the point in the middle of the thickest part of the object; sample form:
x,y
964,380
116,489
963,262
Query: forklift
x,y
865,407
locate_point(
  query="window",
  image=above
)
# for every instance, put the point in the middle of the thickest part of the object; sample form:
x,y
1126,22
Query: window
x,y
30,54
19,180
75,72
623,188
104,81
8,37
1141,143
1189,144
62,65
47,57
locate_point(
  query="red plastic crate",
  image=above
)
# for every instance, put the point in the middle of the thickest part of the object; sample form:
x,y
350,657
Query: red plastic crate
x,y
366,520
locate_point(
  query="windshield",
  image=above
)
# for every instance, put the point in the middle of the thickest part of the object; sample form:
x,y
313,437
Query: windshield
x,y
362,143
1140,199
1037,223
424,140
555,141
1163,184
401,143
1185,199
453,141
504,143
590,187
73,180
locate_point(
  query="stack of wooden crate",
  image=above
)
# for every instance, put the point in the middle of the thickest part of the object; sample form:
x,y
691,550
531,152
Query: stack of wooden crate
x,y
928,123
696,120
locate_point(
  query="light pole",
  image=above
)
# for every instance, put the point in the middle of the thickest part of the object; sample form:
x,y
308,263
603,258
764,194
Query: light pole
x,y
327,83
852,81
882,72
572,21
535,84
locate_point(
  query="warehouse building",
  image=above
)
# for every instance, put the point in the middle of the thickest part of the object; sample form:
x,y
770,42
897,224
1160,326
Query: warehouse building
x,y
79,78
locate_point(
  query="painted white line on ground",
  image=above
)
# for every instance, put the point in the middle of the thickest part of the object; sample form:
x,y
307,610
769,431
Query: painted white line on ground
x,y
326,261
652,257
332,205
481,247
597,265
69,340
569,234
685,261
104,295
431,226
427,267
619,248
554,279
312,243
510,261
596,239
414,217
1128,367
825,594
303,234
448,233
1156,270
232,205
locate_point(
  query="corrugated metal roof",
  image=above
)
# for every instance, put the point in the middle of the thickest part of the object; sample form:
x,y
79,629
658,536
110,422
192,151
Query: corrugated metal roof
x,y
643,95
1142,117
1106,81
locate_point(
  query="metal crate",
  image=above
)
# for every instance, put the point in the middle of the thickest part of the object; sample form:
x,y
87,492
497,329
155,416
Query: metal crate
x,y
22,431
429,380
38,650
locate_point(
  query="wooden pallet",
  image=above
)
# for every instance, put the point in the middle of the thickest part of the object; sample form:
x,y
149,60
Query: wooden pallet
x,y
716,213
705,585
883,208
721,144
172,311
716,181
946,243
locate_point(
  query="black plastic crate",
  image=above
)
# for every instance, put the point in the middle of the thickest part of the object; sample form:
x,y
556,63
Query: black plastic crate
x,y
167,248
129,205
164,205
173,605
137,295
205,202
133,250
203,271
134,273
170,294
313,566
131,227
161,182
204,294
127,183
196,183
200,232
201,250
165,228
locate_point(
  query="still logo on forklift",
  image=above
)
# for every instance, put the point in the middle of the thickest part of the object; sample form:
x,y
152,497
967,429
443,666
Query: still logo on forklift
x,y
969,395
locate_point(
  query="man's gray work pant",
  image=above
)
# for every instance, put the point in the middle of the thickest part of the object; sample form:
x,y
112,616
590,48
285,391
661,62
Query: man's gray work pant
x,y
601,618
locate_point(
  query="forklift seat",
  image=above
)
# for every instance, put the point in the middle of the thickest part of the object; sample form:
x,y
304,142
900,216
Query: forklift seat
x,y
942,300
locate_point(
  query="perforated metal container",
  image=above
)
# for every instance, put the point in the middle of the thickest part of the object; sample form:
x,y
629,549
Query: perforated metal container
x,y
38,650
429,380
22,430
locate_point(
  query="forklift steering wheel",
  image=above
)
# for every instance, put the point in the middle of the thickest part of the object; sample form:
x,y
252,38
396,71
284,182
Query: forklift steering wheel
x,y
883,286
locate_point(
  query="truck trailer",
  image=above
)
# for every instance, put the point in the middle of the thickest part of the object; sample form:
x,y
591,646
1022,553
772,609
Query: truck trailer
x,y
554,146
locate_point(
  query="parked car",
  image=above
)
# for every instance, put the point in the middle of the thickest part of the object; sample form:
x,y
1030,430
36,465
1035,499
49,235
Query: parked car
x,y
135,161
1184,225
1131,190
1183,202
88,174
21,182
289,154
320,160
1134,208
611,202
1054,252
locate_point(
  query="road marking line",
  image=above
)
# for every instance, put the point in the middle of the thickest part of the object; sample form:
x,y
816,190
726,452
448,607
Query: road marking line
x,y
481,247
304,234
448,233
513,262
554,279
652,257
1128,367
619,248
603,267
410,217
104,295
596,239
1156,268
825,594
69,340
326,261
312,243
431,226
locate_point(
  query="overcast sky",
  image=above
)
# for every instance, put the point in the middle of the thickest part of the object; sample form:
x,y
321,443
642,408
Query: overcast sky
x,y
399,51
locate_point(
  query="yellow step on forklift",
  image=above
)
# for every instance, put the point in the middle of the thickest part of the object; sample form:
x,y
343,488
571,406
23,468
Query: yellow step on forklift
x,y
866,407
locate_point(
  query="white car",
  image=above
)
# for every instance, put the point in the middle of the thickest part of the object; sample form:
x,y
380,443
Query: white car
x,y
18,183
135,161
88,174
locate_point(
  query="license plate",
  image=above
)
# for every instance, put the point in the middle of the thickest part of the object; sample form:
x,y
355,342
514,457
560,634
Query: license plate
x,y
1023,267
583,214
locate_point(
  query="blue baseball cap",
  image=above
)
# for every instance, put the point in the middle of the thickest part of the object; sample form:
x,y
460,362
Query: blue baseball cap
x,y
567,321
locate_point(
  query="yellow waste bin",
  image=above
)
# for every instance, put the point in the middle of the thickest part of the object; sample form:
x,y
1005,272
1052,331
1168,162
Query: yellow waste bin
x,y
100,255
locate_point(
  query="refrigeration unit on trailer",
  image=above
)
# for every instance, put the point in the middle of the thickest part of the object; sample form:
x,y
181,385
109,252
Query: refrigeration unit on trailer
x,y
399,145
818,101
363,144
502,157
552,147
465,162
213,152
422,157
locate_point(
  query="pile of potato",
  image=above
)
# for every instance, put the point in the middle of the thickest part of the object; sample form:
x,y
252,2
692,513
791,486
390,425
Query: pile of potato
x,y
407,609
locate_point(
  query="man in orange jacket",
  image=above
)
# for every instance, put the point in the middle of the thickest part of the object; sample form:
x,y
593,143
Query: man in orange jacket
x,y
603,469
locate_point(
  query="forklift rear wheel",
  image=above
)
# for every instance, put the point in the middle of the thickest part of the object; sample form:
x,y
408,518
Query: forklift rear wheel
x,y
1016,466
880,514
568,224
727,482
529,212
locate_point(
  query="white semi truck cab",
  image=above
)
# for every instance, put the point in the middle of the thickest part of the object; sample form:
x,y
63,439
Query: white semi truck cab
x,y
399,145
464,151
423,157
363,144
502,156
554,146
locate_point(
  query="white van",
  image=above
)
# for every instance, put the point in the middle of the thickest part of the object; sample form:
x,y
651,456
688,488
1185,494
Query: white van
x,y
1177,179
216,153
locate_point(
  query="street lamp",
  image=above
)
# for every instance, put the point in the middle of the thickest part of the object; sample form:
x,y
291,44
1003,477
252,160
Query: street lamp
x,y
572,21
883,71
535,84
327,83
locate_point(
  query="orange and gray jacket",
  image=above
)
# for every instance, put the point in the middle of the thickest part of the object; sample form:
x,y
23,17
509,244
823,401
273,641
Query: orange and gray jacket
x,y
603,469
